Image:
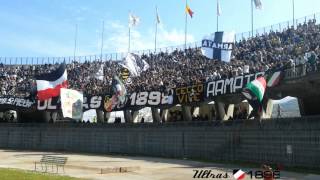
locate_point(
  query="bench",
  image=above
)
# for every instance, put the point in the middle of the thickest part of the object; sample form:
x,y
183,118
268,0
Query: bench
x,y
47,160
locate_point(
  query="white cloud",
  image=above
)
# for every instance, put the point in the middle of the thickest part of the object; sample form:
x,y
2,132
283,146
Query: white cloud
x,y
174,36
118,39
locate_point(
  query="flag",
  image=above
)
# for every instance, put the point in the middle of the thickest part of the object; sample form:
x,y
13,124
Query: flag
x,y
255,89
100,75
258,4
218,45
189,11
125,76
119,89
133,20
49,85
238,174
134,64
118,98
274,79
157,16
218,8
71,103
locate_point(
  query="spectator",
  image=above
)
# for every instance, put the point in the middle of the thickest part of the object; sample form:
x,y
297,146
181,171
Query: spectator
x,y
179,68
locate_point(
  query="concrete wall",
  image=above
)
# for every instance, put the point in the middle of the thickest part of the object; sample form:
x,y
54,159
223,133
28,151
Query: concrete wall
x,y
247,141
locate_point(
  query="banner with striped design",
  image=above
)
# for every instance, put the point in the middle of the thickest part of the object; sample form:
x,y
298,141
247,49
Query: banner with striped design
x,y
49,85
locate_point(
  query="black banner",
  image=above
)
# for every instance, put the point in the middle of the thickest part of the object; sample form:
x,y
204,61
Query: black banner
x,y
16,102
229,86
150,98
189,94
181,95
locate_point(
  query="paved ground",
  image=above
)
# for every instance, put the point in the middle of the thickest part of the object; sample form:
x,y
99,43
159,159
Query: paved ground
x,y
144,168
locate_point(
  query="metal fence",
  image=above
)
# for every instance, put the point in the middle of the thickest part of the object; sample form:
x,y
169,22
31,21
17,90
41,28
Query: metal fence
x,y
301,70
282,26
120,55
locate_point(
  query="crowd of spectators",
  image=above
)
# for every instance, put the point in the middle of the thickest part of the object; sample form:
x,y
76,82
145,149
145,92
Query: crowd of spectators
x,y
168,70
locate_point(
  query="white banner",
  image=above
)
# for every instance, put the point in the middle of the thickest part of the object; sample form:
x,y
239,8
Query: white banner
x,y
71,103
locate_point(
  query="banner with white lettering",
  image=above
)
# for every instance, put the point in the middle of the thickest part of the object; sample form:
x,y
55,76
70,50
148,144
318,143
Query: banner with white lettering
x,y
189,94
7,102
151,98
218,46
230,85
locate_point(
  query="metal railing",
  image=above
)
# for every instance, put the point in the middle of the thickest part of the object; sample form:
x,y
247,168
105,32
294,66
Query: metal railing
x,y
301,70
120,55
282,26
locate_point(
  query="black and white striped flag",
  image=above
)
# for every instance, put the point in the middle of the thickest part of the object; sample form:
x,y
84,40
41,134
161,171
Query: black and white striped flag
x,y
218,46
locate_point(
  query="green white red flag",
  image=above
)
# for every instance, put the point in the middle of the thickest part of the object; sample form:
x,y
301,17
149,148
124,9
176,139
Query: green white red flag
x,y
255,89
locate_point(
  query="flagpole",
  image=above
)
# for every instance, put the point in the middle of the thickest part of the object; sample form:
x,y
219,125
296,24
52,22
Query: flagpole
x,y
217,16
102,40
251,18
156,31
293,13
75,42
129,41
217,23
185,30
129,33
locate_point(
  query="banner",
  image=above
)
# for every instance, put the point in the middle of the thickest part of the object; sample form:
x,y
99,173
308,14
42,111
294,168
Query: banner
x,y
16,103
89,102
71,103
150,98
230,85
189,94
218,46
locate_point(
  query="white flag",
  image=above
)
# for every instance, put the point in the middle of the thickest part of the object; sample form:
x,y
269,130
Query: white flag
x,y
71,103
134,64
133,20
258,4
99,75
157,16
218,8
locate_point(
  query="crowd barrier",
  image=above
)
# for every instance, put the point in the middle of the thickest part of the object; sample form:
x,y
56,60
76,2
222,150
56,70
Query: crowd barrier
x,y
291,142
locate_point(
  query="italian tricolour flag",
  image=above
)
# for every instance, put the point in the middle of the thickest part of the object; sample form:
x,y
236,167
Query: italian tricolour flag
x,y
255,89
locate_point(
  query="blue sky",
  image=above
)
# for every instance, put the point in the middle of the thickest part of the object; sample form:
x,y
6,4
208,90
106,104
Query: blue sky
x,y
47,27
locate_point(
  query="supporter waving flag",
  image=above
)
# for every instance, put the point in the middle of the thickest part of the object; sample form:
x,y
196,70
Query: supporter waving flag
x,y
134,64
119,95
254,93
119,89
100,75
49,85
255,89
